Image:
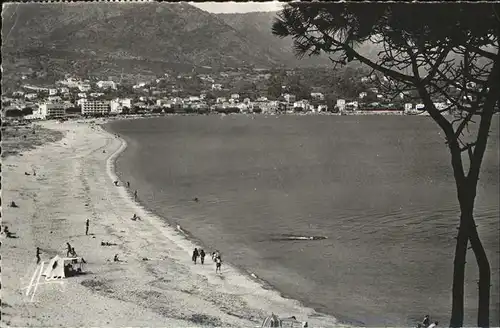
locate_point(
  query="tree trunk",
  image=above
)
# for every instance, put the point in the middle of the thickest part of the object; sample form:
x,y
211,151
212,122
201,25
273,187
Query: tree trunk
x,y
483,313
457,308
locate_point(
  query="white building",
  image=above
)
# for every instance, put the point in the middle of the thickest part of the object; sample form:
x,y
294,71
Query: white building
x,y
341,104
51,110
320,108
440,105
70,82
54,99
289,98
82,95
117,105
52,92
160,103
235,96
95,107
63,90
106,85
216,86
362,95
220,100
408,107
30,96
84,87
244,108
80,101
353,105
317,96
96,94
304,104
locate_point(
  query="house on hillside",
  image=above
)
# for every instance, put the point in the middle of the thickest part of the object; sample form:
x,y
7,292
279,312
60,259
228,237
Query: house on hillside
x,y
30,96
289,98
52,92
106,85
216,86
317,96
302,104
84,87
54,99
118,104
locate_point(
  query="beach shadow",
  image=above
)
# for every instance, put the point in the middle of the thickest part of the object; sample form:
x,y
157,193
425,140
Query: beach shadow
x,y
204,320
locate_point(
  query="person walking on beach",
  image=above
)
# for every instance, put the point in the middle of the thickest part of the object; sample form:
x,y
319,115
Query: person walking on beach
x,y
68,253
87,227
218,264
135,195
427,321
128,184
202,256
195,255
38,259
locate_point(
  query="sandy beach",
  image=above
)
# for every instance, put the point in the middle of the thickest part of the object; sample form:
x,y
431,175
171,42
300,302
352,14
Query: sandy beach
x,y
156,284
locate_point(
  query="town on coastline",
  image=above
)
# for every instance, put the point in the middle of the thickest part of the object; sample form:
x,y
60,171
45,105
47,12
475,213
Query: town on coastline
x,y
232,91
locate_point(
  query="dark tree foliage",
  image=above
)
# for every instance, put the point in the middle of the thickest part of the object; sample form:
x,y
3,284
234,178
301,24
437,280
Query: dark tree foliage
x,y
27,111
13,113
274,86
445,51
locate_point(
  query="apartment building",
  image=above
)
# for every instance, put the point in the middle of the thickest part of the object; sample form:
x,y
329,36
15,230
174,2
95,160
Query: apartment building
x,y
51,110
95,107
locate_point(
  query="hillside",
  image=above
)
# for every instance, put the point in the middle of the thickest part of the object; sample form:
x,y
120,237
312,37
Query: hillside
x,y
258,26
111,38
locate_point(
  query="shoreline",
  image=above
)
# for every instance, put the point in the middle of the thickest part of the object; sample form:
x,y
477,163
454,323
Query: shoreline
x,y
192,239
157,283
196,242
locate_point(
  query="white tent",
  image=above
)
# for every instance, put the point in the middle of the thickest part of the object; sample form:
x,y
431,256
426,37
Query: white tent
x,y
55,267
274,321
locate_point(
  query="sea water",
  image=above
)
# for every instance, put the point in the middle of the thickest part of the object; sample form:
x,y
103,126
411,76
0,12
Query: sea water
x,y
380,189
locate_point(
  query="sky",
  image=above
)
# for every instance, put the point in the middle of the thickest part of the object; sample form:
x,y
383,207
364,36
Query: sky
x,y
238,7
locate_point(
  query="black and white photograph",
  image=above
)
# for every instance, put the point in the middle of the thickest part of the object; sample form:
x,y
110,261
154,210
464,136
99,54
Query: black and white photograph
x,y
250,164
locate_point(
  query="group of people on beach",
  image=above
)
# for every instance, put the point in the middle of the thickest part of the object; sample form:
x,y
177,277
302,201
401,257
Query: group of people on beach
x,y
216,257
426,323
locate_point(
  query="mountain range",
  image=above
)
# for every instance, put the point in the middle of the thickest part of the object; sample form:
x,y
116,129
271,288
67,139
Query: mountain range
x,y
138,38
